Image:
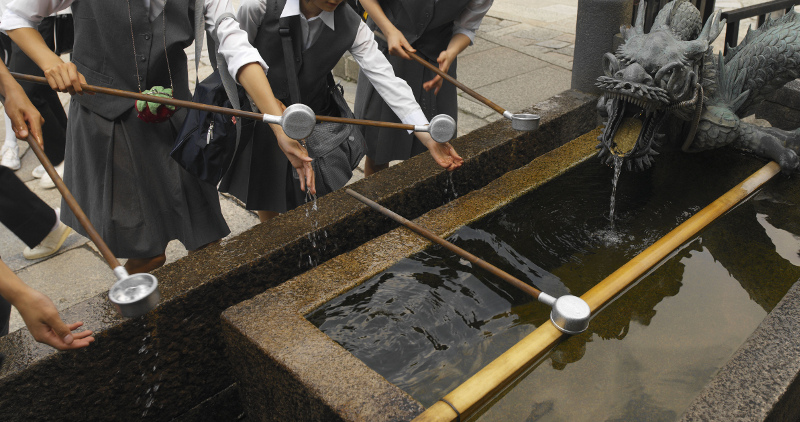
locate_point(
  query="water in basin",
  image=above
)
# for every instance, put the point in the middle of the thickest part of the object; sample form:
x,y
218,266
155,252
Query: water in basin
x,y
431,321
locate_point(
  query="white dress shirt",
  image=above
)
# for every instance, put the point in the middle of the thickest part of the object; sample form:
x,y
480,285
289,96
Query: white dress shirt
x,y
233,41
376,67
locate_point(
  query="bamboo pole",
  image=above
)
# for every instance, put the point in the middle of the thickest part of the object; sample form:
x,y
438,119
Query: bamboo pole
x,y
479,388
207,107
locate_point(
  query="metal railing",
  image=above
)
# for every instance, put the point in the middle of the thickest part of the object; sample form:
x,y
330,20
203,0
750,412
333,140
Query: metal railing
x,y
734,17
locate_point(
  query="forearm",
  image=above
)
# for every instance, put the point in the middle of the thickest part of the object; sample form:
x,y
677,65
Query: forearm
x,y
255,82
375,12
457,44
30,41
11,286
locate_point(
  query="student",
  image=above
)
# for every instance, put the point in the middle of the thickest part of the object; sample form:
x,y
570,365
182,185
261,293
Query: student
x,y
38,312
120,170
437,30
322,31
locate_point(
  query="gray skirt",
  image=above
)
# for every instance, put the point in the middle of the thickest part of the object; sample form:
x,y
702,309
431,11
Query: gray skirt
x,y
136,196
384,144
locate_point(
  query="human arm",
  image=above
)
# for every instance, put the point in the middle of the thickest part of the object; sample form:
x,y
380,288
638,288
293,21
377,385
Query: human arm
x,y
464,28
398,44
398,95
249,68
19,22
25,118
40,315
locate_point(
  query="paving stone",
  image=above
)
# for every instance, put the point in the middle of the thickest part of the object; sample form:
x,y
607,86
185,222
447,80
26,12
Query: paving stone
x,y
567,51
468,105
519,27
537,34
66,279
524,90
480,44
554,44
570,38
475,71
467,123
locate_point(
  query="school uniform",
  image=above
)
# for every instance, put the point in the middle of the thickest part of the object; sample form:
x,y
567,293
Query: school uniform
x,y
261,175
120,170
428,26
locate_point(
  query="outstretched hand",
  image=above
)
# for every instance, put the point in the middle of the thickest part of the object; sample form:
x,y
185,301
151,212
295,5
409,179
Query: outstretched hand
x,y
46,326
298,156
443,153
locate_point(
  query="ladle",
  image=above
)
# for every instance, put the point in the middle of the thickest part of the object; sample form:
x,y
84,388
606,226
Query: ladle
x,y
132,294
570,314
525,122
297,120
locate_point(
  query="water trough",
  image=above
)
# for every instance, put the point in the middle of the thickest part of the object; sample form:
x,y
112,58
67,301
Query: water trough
x,y
170,364
290,370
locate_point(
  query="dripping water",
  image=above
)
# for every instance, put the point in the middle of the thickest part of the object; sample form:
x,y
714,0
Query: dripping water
x,y
617,170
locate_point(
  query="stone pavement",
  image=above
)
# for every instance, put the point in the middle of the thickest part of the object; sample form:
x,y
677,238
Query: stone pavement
x,y
522,55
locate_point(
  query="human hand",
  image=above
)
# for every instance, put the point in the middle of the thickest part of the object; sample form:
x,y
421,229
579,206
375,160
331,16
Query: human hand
x,y
64,77
298,156
46,326
398,44
443,153
446,58
25,118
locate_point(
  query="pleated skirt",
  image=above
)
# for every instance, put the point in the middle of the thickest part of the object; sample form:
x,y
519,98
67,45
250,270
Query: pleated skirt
x,y
137,197
385,144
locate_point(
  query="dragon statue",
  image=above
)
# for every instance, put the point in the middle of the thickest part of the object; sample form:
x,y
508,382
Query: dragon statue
x,y
672,72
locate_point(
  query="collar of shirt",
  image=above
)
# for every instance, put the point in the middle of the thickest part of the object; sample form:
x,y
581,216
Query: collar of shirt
x,y
292,8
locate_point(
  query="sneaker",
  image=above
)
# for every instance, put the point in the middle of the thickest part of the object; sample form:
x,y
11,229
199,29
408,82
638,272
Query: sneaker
x,y
46,182
10,154
38,172
51,243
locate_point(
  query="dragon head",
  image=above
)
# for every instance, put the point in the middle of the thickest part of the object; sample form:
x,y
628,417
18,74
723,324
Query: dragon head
x,y
650,76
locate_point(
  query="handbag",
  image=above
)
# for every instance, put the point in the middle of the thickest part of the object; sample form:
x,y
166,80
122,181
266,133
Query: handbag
x,y
63,33
336,148
207,142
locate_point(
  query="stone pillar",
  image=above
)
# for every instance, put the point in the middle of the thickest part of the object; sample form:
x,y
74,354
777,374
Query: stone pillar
x,y
598,23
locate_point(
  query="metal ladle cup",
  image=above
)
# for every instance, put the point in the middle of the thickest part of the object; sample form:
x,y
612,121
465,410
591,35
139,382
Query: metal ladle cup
x,y
134,295
297,121
442,128
570,313
525,122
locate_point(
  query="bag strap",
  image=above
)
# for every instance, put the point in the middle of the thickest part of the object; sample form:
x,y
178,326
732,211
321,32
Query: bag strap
x,y
219,63
288,58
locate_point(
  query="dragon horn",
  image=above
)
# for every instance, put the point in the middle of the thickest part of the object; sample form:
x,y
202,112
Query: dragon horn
x,y
712,28
639,25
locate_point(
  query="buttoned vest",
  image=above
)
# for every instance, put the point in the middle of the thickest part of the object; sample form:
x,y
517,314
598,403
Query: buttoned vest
x,y
426,24
313,65
103,50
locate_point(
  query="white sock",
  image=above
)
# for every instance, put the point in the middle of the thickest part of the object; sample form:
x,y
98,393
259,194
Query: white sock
x,y
58,219
11,138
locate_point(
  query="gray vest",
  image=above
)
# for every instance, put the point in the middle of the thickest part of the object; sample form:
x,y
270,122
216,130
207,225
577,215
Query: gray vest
x,y
103,50
426,24
313,65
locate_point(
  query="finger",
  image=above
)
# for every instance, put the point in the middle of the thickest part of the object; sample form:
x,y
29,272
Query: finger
x,y
19,125
57,325
74,80
83,81
35,122
311,181
302,173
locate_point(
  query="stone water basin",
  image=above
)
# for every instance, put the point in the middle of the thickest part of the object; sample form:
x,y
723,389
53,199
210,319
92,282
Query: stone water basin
x,y
408,322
